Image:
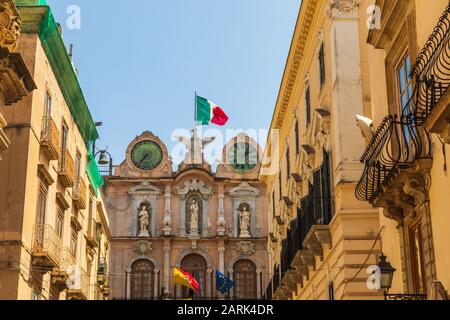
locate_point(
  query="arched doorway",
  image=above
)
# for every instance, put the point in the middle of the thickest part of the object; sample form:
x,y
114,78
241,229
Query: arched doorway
x,y
196,265
142,277
244,272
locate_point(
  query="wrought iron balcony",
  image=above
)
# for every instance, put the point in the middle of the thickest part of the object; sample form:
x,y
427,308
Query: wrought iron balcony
x,y
60,276
46,249
79,193
50,138
397,145
78,288
432,73
66,169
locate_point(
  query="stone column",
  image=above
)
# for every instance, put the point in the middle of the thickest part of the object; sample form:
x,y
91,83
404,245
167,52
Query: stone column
x,y
230,275
205,220
258,283
209,282
156,284
182,216
221,250
221,223
128,281
166,268
167,228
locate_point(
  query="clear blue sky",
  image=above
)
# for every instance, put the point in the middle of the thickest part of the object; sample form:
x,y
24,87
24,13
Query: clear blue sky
x,y
140,62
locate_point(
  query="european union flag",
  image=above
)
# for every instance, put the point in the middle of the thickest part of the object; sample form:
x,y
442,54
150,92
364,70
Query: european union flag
x,y
223,284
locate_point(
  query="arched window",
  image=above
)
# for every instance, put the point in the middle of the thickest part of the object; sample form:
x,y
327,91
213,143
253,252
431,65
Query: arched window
x,y
142,277
196,266
244,280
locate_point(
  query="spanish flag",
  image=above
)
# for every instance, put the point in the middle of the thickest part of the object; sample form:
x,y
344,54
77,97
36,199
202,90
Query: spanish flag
x,y
185,279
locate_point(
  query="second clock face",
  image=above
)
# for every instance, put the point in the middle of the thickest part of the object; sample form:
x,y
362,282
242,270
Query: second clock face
x,y
242,156
146,155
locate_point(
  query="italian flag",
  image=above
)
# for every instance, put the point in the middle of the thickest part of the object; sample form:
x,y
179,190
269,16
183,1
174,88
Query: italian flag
x,y
208,112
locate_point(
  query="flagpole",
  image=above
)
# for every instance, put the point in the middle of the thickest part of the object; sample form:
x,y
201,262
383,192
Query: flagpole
x,y
195,112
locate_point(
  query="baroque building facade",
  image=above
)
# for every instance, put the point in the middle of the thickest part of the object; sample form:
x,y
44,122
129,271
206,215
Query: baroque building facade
x,y
192,218
346,197
321,237
54,234
406,129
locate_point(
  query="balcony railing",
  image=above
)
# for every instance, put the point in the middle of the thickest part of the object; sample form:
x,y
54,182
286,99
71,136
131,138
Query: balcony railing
x,y
79,193
396,145
46,249
432,71
78,288
50,138
66,170
60,276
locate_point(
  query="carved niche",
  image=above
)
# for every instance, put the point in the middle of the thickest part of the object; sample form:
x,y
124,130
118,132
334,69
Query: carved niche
x,y
245,195
144,194
194,190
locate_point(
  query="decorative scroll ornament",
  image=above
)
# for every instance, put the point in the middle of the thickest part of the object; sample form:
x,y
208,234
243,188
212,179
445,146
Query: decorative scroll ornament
x,y
143,248
195,185
9,25
246,248
345,6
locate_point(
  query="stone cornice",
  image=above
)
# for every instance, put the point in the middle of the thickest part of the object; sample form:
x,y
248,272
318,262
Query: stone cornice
x,y
296,53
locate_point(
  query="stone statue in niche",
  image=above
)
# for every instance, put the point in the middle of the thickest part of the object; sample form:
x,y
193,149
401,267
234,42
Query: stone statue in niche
x,y
244,222
193,223
144,222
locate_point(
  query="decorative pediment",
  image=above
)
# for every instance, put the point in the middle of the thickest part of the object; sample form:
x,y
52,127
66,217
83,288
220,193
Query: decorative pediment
x,y
144,188
244,189
195,185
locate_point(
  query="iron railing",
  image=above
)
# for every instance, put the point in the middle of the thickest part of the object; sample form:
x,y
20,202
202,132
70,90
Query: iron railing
x,y
400,141
46,242
396,145
432,71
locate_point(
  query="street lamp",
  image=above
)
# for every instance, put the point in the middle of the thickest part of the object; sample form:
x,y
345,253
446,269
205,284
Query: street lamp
x,y
386,276
386,273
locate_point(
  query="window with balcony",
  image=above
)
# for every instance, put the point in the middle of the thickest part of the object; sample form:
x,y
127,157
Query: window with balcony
x,y
322,64
308,105
64,136
78,166
42,206
417,258
60,223
273,203
297,137
73,241
288,163
48,104
405,91
142,277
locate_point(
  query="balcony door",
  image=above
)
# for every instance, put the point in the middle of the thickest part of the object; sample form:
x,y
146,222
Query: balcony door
x,y
196,266
142,280
245,283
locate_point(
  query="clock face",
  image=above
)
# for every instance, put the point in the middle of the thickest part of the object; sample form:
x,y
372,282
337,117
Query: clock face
x,y
242,156
146,155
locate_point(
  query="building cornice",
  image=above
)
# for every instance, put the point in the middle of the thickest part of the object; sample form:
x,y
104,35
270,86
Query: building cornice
x,y
296,54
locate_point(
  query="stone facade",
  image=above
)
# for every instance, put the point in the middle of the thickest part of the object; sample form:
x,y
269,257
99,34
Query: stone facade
x,y
191,213
54,228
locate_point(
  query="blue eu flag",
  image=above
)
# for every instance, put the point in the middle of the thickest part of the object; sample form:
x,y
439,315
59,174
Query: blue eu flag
x,y
223,284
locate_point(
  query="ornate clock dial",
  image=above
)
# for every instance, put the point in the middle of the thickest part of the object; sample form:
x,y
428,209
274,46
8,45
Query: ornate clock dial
x,y
242,156
146,155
